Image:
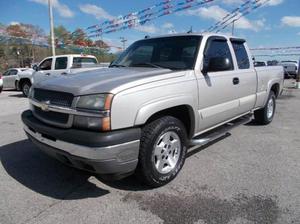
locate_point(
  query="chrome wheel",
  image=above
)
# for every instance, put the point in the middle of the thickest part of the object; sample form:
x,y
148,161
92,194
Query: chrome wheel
x,y
166,152
270,108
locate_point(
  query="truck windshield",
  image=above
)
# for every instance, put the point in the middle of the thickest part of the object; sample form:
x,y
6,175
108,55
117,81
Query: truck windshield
x,y
175,53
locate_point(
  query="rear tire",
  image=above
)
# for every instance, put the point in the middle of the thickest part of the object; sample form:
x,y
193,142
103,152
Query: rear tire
x,y
25,88
265,115
162,151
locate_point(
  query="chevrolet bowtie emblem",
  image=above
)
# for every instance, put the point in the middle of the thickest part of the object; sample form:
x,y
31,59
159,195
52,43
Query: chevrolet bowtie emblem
x,y
45,106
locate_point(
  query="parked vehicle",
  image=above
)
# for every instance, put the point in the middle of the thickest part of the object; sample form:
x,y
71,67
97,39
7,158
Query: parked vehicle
x,y
259,63
159,97
1,83
290,68
56,66
11,77
64,64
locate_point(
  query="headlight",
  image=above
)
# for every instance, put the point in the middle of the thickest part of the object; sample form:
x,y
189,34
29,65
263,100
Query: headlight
x,y
97,102
94,103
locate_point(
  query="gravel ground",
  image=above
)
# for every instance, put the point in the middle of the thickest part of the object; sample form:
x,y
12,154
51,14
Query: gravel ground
x,y
250,176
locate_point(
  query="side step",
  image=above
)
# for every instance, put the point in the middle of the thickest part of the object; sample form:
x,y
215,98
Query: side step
x,y
218,132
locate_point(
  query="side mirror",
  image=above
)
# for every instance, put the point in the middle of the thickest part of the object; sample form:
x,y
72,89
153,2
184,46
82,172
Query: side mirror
x,y
35,67
216,64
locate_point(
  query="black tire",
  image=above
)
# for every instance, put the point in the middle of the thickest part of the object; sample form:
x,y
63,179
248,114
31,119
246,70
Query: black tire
x,y
1,89
261,116
146,170
25,88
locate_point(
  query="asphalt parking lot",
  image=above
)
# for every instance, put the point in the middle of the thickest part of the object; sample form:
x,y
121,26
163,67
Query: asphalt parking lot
x,y
250,176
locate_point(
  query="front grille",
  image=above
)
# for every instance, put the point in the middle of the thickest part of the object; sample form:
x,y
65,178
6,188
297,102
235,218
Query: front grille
x,y
50,116
53,97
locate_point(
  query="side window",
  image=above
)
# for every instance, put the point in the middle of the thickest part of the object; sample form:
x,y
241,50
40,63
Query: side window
x,y
13,72
241,55
217,56
46,65
61,63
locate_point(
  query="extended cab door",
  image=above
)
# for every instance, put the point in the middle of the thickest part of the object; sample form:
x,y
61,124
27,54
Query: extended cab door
x,y
245,72
217,84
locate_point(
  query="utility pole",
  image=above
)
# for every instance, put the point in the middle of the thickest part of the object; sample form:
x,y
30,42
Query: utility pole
x,y
232,31
51,27
123,40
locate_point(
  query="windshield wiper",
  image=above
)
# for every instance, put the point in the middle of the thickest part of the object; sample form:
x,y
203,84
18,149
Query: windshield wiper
x,y
117,66
149,64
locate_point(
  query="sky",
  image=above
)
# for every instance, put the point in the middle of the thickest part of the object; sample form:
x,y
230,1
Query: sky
x,y
277,24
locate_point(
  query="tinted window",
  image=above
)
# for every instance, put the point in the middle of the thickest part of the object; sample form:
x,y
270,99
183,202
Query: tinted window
x,y
217,49
79,62
61,63
168,52
241,55
46,65
13,72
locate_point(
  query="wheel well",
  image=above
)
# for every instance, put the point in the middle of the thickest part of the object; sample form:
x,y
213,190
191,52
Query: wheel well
x,y
22,81
184,113
275,89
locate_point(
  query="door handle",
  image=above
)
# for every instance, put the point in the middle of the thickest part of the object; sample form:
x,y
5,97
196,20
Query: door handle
x,y
64,73
47,73
235,81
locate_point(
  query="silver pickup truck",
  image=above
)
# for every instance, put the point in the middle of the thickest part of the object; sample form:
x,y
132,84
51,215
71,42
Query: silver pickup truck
x,y
161,96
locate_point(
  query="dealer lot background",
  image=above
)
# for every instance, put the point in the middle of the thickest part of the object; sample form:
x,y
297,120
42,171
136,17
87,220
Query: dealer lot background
x,y
250,176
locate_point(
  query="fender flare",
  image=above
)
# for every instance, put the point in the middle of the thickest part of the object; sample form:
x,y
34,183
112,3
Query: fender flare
x,y
152,107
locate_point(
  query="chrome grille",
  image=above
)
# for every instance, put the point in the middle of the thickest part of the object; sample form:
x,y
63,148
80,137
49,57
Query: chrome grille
x,y
51,116
53,97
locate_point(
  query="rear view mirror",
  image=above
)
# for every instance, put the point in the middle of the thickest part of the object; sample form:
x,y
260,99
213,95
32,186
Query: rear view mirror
x,y
216,64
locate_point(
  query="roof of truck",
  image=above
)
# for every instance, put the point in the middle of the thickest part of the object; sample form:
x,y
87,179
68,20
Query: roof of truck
x,y
193,34
74,55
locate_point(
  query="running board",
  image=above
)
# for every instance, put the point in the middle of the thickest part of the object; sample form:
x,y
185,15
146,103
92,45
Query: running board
x,y
218,132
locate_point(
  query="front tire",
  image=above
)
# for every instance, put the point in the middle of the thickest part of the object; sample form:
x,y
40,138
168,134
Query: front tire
x,y
265,115
25,88
162,151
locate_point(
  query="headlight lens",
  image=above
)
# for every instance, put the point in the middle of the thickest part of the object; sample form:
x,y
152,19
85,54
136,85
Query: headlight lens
x,y
93,103
97,102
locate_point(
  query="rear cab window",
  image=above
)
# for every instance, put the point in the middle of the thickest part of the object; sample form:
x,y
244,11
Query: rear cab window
x,y
61,63
80,62
240,53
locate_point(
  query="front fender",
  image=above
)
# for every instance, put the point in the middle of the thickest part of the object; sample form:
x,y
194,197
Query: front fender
x,y
147,110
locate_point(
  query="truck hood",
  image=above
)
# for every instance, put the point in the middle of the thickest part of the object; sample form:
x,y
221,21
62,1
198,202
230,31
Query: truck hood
x,y
105,80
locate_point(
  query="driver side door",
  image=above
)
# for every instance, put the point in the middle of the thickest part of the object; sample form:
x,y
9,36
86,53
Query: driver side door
x,y
218,98
44,70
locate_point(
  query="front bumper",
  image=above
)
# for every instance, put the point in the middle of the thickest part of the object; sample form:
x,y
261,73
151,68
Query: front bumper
x,y
114,152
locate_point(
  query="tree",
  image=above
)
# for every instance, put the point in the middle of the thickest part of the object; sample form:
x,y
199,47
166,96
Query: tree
x,y
62,35
78,37
16,30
